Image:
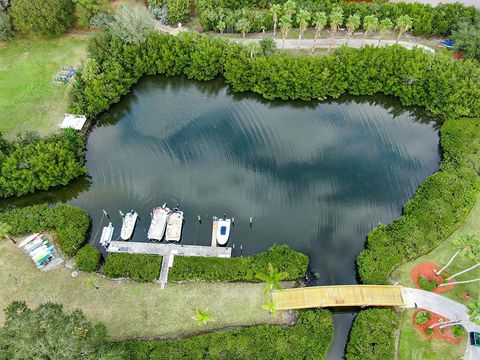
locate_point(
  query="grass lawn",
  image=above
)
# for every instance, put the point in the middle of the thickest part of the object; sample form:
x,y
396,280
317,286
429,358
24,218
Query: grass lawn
x,y
30,99
413,346
442,254
130,309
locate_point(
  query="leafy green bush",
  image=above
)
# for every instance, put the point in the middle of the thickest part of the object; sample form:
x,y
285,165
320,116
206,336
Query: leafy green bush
x,y
458,331
429,331
86,9
282,257
32,164
309,338
87,258
373,335
137,267
70,224
425,284
178,11
46,17
422,317
6,32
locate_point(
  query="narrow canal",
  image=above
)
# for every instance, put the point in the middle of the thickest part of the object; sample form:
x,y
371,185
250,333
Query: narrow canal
x,y
316,176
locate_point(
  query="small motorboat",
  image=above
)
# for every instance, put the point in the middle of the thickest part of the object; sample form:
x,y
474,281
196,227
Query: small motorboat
x,y
223,230
159,223
107,235
128,225
174,226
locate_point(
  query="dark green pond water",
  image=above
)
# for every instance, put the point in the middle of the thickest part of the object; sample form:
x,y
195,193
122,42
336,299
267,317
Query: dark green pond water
x,y
315,176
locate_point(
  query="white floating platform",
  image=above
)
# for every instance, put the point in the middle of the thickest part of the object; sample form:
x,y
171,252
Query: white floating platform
x,y
165,249
73,121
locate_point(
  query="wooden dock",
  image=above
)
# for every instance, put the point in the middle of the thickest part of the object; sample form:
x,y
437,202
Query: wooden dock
x,y
132,247
214,232
338,296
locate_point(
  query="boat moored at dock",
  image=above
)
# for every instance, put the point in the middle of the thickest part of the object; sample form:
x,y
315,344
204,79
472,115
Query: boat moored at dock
x,y
223,230
156,231
107,234
128,225
174,226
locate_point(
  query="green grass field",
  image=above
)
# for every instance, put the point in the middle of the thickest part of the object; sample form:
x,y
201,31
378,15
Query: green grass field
x,y
130,309
30,99
413,346
442,254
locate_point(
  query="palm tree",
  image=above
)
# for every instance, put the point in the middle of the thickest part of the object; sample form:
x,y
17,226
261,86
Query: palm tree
x,y
272,279
285,27
276,9
404,23
221,26
270,306
370,24
336,20
353,23
253,48
289,7
474,312
91,282
466,245
5,230
320,20
202,317
303,18
384,26
243,25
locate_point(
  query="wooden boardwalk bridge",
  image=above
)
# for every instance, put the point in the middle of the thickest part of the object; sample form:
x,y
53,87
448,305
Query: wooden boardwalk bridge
x,y
337,296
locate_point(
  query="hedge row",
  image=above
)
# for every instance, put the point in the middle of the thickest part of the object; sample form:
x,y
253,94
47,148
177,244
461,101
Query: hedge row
x,y
70,224
309,338
147,267
441,202
135,266
282,257
436,82
40,165
372,336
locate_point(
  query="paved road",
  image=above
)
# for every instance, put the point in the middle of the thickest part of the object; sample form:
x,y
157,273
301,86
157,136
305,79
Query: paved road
x,y
449,309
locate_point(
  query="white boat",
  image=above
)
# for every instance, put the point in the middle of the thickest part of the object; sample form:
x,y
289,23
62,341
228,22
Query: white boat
x,y
174,226
107,234
223,230
159,223
128,225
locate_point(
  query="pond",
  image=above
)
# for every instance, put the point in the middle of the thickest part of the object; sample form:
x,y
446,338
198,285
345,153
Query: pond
x,y
315,176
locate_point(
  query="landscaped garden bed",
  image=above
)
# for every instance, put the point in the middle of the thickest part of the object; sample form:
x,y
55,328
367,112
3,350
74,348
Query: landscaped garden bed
x,y
425,278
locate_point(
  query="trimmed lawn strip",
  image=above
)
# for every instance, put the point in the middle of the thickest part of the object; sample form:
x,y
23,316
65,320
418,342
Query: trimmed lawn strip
x,y
413,346
30,99
129,309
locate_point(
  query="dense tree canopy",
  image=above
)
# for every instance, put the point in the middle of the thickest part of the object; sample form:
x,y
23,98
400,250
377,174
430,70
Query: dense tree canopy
x,y
46,17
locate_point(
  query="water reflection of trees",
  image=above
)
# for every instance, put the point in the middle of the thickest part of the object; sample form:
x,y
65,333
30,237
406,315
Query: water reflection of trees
x,y
52,196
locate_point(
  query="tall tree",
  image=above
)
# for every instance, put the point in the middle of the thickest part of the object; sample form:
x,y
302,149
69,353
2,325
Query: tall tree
x,y
370,24
303,18
465,245
285,27
131,24
202,317
404,23
467,39
272,279
289,7
320,20
243,25
384,26
47,332
276,10
353,23
336,20
253,48
221,26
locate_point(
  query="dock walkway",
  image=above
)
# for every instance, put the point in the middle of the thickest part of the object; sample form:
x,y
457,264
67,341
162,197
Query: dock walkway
x,y
338,296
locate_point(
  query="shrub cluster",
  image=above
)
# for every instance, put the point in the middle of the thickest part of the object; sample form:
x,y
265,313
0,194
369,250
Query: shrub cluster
x,y
422,317
372,335
135,266
441,202
428,20
29,165
69,223
282,257
309,338
87,258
